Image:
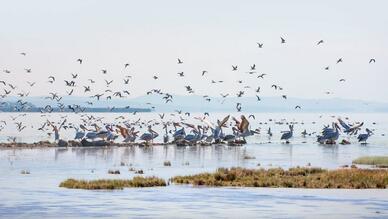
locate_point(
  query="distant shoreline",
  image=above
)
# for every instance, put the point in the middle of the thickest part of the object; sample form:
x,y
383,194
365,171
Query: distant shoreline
x,y
86,110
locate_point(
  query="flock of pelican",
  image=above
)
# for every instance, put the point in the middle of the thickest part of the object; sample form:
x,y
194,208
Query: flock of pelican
x,y
93,131
205,132
179,132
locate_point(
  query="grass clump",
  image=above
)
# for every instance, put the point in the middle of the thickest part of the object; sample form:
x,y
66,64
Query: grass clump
x,y
292,178
111,184
372,160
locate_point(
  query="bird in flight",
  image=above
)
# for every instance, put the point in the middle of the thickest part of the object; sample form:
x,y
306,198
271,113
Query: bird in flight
x,y
261,76
80,61
339,60
108,82
203,73
180,61
224,95
320,42
372,60
298,107
282,40
260,45
234,68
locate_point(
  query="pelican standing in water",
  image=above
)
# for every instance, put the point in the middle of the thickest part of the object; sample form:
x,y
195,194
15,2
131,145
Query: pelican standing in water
x,y
329,135
365,136
288,134
150,136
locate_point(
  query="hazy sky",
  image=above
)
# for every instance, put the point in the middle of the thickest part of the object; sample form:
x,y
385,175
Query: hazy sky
x,y
206,35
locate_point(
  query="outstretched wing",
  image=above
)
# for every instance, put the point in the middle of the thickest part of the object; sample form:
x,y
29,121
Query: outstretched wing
x,y
343,124
222,123
244,124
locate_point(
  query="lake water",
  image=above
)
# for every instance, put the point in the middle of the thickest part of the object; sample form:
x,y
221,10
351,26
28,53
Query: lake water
x,y
37,195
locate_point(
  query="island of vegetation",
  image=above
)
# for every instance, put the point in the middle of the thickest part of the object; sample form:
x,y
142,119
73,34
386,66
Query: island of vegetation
x,y
379,161
110,184
298,177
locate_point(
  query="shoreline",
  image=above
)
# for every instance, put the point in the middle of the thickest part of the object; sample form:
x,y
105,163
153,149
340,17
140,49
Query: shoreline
x,y
72,143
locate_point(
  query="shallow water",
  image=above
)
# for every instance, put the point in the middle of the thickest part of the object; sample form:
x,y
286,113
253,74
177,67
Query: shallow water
x,y
38,195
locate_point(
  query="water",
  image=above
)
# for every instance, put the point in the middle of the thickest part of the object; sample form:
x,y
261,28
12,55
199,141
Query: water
x,y
37,195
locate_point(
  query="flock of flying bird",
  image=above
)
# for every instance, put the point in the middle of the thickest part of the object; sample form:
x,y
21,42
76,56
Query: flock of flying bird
x,y
205,132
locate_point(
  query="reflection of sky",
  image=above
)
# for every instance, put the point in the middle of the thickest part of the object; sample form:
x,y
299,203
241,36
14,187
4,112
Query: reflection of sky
x,y
38,193
207,35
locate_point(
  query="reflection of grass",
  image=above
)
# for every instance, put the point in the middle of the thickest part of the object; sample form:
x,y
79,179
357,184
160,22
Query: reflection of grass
x,y
372,160
137,181
293,178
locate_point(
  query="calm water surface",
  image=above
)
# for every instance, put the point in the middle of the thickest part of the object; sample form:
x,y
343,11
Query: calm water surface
x,y
37,195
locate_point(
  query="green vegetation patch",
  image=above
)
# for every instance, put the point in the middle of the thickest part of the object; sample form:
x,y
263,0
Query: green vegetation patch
x,y
292,178
372,160
137,181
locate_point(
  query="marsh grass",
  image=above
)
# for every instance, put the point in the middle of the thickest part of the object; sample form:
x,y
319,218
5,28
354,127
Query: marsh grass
x,y
372,160
110,184
292,178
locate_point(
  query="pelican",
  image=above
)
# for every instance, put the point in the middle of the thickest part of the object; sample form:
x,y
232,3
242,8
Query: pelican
x,y
242,128
196,136
288,134
365,136
350,129
329,135
150,136
217,131
80,134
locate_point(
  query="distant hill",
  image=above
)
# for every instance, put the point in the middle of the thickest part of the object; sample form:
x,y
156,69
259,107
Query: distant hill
x,y
37,104
194,103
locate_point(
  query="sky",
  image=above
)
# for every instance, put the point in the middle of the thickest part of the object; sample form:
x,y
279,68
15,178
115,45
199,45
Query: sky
x,y
206,35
